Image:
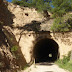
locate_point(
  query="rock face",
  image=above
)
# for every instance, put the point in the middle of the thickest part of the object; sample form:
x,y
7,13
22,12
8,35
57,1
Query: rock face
x,y
25,19
23,15
64,41
9,59
1,1
26,27
12,20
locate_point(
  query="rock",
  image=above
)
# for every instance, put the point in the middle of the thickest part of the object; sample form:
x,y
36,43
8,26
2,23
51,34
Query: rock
x,y
1,1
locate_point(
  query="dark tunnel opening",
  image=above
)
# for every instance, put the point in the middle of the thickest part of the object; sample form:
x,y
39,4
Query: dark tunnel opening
x,y
46,50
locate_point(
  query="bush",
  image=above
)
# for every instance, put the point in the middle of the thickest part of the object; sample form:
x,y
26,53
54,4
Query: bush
x,y
65,62
58,12
14,48
62,24
61,7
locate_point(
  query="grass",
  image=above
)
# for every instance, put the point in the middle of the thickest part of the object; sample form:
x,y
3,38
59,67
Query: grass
x,y
65,63
67,66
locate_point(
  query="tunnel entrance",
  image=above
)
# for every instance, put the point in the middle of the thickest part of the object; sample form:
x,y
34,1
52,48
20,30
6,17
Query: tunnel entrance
x,y
46,50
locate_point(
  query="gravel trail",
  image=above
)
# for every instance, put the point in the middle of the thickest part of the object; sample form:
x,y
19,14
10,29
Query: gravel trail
x,y
45,67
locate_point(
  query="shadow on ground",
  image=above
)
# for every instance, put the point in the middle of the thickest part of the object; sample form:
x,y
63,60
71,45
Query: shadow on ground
x,y
45,63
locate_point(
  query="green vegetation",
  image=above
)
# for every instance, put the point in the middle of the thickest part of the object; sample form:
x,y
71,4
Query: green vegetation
x,y
40,5
67,66
62,24
1,23
25,67
14,48
61,7
14,51
58,8
65,63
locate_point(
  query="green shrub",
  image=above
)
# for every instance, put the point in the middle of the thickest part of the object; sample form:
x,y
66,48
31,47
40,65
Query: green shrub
x,y
66,65
59,25
1,64
14,48
65,59
25,67
57,12
65,62
62,24
61,7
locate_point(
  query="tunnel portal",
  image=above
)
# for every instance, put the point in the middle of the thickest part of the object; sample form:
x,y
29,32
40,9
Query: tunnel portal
x,y
46,50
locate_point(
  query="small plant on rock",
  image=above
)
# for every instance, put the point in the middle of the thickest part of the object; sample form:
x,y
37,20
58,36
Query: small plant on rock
x,y
14,48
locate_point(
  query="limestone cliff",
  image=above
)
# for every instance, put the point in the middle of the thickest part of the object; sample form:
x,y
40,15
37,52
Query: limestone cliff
x,y
19,31
15,19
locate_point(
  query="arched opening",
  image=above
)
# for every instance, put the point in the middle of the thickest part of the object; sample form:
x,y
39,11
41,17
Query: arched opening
x,y
46,50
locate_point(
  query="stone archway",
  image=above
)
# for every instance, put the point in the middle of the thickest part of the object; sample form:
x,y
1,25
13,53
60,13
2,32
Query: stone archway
x,y
46,50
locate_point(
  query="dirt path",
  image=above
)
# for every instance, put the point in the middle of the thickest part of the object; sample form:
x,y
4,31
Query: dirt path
x,y
45,67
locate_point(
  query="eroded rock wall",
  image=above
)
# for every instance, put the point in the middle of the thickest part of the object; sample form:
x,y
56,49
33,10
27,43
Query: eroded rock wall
x,y
28,40
23,23
23,15
64,41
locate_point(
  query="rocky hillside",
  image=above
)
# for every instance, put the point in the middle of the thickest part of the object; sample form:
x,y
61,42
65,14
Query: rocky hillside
x,y
15,19
23,15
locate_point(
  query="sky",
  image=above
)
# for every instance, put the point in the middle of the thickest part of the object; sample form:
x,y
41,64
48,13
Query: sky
x,y
9,0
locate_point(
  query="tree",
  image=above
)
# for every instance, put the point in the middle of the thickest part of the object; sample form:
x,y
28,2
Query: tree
x,y
39,4
61,7
57,7
62,24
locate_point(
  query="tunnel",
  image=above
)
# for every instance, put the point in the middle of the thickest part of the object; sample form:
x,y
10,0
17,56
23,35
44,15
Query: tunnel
x,y
46,50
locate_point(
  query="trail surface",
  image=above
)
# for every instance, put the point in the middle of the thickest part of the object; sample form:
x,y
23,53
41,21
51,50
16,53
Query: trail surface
x,y
45,67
